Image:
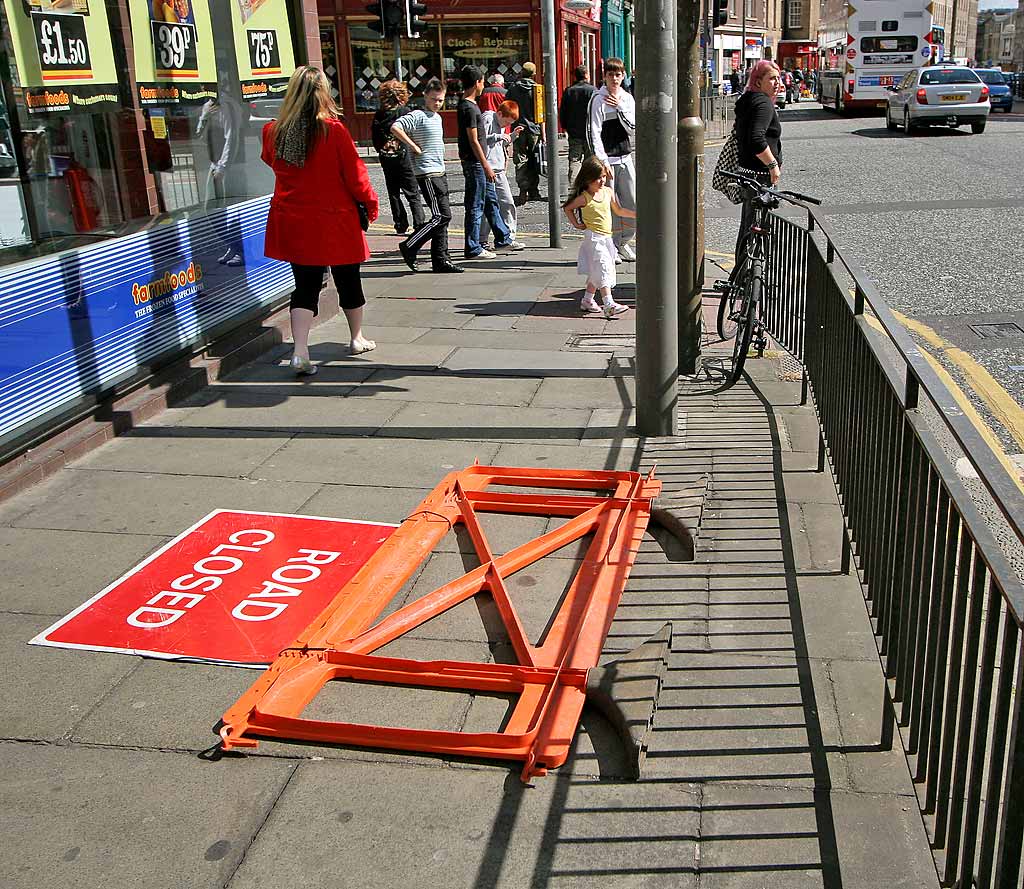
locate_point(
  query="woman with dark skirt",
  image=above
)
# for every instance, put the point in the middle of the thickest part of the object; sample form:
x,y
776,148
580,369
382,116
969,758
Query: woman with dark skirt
x,y
314,219
395,161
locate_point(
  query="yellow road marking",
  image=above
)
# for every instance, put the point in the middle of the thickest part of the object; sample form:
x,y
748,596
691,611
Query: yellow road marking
x,y
984,430
998,400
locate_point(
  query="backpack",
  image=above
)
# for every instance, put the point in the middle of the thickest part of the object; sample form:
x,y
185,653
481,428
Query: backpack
x,y
728,162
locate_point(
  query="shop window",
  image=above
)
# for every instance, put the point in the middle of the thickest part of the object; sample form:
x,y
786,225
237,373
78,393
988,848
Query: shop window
x,y
209,75
373,62
497,49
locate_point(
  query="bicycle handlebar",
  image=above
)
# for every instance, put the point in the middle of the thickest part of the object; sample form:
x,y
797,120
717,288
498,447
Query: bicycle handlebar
x,y
787,196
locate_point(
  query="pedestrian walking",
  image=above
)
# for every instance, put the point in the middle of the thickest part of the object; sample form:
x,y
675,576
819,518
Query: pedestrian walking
x,y
734,82
595,203
395,159
612,125
798,83
422,134
758,135
524,149
313,221
481,199
573,115
493,94
497,141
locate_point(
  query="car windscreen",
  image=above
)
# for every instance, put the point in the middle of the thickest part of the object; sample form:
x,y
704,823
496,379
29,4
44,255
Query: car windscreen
x,y
995,77
948,75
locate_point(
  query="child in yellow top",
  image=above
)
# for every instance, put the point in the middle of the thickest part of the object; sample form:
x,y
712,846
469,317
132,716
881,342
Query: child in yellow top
x,y
596,202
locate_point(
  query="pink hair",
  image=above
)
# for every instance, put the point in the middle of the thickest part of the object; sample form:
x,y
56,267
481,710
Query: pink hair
x,y
761,67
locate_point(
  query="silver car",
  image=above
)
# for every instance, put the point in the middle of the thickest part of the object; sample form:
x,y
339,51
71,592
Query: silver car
x,y
938,96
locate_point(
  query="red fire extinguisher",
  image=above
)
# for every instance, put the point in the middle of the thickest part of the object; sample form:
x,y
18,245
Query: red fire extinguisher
x,y
84,208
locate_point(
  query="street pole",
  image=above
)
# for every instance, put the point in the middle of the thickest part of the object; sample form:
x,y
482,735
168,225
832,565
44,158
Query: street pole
x,y
551,123
398,58
690,186
743,43
657,309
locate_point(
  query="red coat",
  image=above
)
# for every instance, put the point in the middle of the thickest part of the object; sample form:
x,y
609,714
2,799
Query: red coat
x,y
313,218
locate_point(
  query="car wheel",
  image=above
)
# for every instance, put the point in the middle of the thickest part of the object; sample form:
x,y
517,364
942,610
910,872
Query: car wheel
x,y
906,121
890,124
978,128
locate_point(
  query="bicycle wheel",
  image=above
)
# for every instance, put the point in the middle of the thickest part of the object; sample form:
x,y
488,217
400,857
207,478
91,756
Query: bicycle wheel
x,y
727,310
745,322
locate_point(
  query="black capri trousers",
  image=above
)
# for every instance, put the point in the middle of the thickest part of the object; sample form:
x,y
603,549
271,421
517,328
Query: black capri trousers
x,y
310,280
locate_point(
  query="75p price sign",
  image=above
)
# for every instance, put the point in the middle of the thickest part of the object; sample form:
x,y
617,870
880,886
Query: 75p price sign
x,y
63,46
264,54
174,44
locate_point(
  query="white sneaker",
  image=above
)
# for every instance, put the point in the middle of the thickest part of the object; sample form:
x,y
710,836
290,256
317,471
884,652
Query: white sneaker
x,y
511,245
612,309
626,252
588,305
618,259
484,254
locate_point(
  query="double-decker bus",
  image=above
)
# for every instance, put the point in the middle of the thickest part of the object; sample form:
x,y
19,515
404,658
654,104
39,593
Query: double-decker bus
x,y
867,46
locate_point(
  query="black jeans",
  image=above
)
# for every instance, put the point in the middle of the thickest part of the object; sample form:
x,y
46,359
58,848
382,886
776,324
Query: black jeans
x,y
401,182
435,196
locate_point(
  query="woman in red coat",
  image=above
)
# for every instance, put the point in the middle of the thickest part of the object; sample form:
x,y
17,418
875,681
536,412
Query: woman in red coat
x,y
313,221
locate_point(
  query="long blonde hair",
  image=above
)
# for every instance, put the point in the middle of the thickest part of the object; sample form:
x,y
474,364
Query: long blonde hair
x,y
307,104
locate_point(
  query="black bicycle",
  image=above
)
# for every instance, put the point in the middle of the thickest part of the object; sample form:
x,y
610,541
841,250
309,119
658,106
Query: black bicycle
x,y
739,313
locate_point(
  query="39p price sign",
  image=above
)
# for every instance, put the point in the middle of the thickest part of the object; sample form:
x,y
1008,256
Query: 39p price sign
x,y
174,45
264,53
63,46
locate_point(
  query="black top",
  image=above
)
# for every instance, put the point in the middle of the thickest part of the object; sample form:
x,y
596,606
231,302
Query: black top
x,y
521,92
574,109
757,127
380,131
469,119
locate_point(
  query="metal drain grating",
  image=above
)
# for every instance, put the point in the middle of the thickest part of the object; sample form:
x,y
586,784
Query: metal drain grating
x,y
788,369
598,342
998,330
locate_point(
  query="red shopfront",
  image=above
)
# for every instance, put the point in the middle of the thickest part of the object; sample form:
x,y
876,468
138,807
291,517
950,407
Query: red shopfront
x,y
798,53
498,35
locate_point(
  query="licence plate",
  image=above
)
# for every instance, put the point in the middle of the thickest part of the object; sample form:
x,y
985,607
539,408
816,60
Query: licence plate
x,y
954,97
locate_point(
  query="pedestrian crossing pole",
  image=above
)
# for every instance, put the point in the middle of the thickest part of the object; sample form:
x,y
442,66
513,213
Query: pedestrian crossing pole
x,y
657,309
690,186
551,123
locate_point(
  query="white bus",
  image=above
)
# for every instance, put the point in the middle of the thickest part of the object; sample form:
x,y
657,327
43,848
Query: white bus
x,y
868,47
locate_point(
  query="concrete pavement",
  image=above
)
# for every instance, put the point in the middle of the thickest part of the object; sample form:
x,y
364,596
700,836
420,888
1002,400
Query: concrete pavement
x,y
763,768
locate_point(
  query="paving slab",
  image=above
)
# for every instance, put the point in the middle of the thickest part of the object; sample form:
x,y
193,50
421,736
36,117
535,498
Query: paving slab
x,y
595,393
123,502
444,388
374,462
53,572
121,819
549,456
526,363
50,689
494,339
485,422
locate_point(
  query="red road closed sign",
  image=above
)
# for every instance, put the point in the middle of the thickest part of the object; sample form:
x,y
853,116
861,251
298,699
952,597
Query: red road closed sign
x,y
236,588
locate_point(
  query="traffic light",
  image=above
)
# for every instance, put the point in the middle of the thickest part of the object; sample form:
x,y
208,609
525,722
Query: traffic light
x,y
389,17
720,13
413,23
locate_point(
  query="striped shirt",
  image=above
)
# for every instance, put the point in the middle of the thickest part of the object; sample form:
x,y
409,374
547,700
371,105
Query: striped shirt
x,y
424,128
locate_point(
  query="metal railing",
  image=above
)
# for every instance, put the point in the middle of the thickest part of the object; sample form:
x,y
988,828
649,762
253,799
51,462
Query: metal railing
x,y
717,112
945,603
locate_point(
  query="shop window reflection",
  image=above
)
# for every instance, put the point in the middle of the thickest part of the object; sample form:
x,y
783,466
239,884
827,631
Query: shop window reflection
x,y
497,49
373,62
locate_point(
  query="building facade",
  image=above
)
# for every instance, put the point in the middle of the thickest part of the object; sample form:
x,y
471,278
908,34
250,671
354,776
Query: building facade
x,y
133,199
736,48
799,44
960,19
994,42
498,35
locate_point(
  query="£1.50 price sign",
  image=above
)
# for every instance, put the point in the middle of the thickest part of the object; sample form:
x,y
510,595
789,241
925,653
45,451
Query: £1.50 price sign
x,y
264,55
174,44
63,47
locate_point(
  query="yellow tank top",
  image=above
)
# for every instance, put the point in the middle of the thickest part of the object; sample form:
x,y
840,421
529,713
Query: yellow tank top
x,y
597,212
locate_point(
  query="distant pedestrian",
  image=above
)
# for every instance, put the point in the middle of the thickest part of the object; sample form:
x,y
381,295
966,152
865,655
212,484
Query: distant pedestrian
x,y
395,159
313,221
612,125
524,149
573,115
493,94
798,83
497,142
422,133
734,82
481,199
595,203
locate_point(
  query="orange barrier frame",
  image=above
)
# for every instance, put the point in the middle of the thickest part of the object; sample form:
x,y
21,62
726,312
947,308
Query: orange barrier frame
x,y
550,678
